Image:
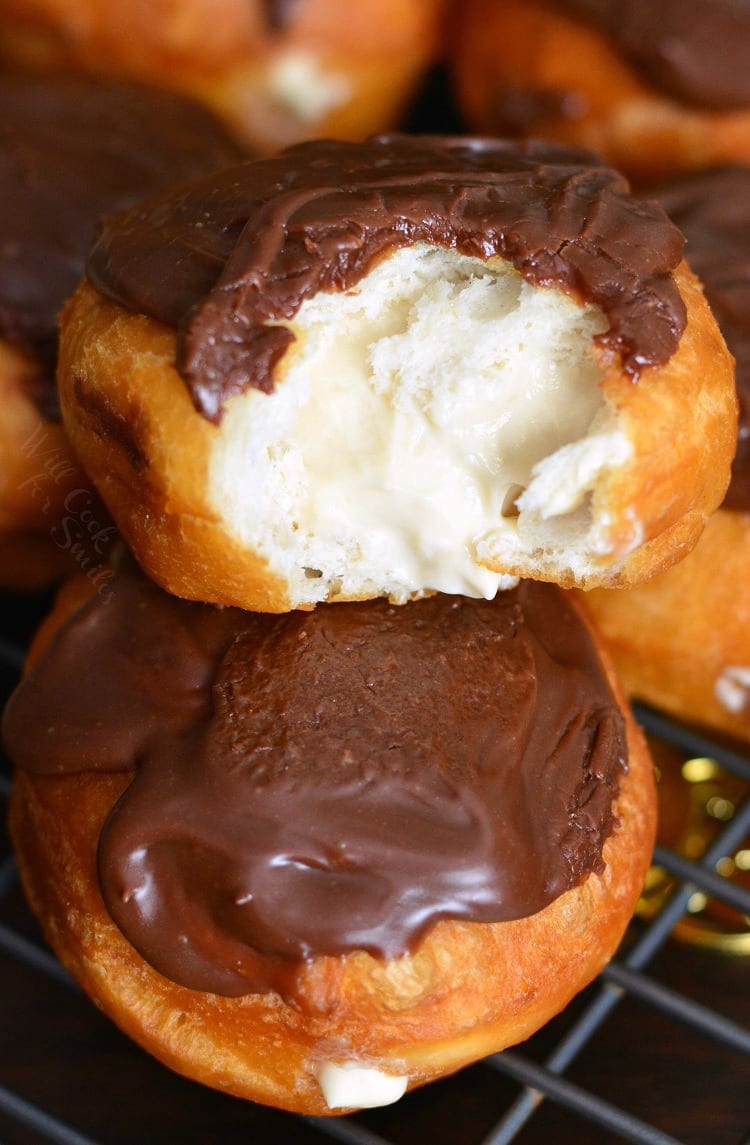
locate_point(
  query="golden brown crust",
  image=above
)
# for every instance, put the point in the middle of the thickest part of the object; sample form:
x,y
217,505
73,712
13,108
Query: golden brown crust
x,y
125,407
675,639
530,46
222,52
38,473
469,990
665,494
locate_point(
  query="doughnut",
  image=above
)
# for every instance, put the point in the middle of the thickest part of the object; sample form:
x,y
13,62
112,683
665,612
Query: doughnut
x,y
37,471
395,367
71,149
682,641
318,858
656,88
277,71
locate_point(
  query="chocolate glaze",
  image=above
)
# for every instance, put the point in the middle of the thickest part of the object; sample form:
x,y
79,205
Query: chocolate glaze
x,y
694,50
70,149
713,210
316,783
221,257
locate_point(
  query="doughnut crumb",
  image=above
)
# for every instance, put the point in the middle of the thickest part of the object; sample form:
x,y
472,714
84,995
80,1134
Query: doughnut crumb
x,y
431,425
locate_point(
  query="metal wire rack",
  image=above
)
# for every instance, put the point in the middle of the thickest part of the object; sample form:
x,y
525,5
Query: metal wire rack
x,y
642,1055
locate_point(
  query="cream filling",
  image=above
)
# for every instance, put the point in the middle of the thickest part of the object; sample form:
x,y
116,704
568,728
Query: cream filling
x,y
298,82
350,1085
442,411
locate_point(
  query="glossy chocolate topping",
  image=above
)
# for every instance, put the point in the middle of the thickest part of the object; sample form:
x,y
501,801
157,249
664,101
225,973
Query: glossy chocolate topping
x,y
713,210
70,149
322,782
694,50
222,257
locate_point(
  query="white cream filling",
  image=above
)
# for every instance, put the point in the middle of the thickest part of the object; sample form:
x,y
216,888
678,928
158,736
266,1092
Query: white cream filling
x,y
350,1085
440,413
298,82
732,689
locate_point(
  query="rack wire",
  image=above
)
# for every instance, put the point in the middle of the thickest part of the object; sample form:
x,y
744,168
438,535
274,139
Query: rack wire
x,y
68,1077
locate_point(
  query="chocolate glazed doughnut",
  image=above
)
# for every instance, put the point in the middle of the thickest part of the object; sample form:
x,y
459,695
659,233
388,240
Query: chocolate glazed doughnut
x,y
70,149
655,88
344,355
276,71
367,838
682,642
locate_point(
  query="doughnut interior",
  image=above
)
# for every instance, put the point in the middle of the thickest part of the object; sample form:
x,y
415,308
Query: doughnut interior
x,y
439,408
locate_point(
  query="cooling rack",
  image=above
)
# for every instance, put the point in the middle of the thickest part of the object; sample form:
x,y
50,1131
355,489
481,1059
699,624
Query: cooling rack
x,y
656,1051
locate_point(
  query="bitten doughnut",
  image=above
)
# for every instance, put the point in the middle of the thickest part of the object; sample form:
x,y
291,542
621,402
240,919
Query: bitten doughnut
x,y
71,149
682,642
319,858
276,70
396,367
656,88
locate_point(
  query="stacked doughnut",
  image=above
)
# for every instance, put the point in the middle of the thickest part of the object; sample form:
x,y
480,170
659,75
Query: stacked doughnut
x,y
657,88
71,149
320,802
